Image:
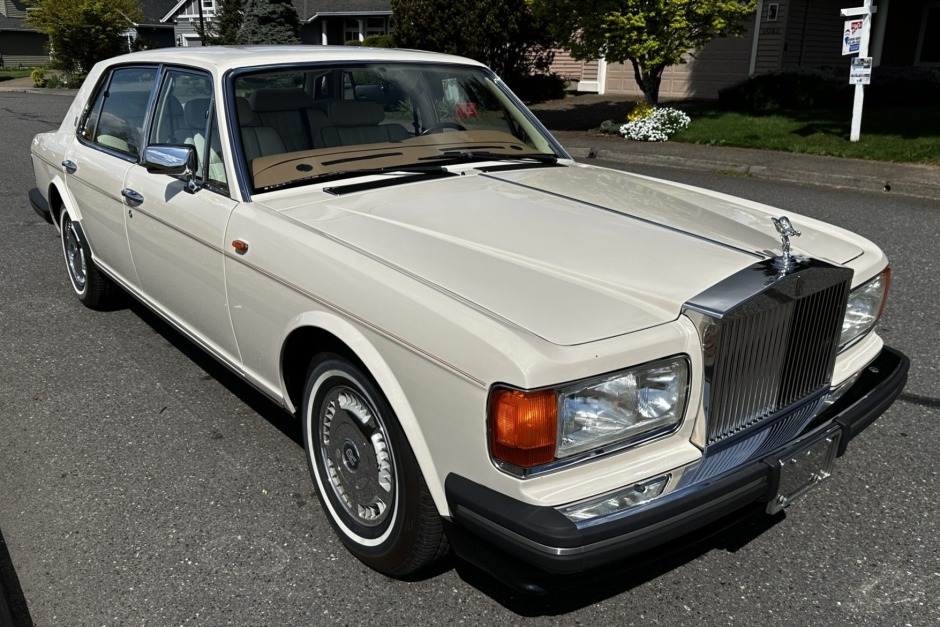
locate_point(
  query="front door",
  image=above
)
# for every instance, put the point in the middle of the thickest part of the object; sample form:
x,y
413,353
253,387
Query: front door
x,y
177,236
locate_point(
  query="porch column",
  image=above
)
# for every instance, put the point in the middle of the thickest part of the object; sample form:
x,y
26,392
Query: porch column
x,y
362,30
878,36
323,38
754,42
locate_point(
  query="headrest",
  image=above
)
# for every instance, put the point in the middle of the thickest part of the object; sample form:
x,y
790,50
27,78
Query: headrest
x,y
246,117
280,99
194,112
356,113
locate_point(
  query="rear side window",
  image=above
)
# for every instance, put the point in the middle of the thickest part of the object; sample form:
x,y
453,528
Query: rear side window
x,y
116,119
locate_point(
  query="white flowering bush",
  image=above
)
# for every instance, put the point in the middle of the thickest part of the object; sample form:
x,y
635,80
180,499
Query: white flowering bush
x,y
659,126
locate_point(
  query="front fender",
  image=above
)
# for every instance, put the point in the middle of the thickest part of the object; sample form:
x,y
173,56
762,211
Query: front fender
x,y
383,374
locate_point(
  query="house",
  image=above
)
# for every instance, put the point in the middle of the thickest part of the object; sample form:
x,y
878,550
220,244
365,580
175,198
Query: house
x,y
20,46
25,47
784,34
323,22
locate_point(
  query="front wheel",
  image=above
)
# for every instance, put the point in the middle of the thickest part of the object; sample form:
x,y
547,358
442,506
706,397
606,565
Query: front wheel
x,y
92,287
367,478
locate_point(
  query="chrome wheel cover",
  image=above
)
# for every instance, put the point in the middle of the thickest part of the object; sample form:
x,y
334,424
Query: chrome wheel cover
x,y
356,457
74,256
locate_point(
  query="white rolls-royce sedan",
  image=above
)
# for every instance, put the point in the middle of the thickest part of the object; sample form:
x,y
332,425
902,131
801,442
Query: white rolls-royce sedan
x,y
545,366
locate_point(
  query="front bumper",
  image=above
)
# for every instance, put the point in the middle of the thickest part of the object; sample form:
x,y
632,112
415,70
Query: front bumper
x,y
541,538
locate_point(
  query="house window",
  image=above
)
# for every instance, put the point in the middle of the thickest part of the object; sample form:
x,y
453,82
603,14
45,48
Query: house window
x,y
351,31
376,26
772,11
928,46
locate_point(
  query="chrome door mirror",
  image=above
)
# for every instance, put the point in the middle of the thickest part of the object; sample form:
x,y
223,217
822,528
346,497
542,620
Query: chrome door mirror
x,y
173,160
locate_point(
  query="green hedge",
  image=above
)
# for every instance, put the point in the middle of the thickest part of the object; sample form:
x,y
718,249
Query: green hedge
x,y
790,89
801,89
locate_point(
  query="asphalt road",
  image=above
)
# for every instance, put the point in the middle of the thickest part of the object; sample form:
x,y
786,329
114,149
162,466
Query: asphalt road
x,y
140,483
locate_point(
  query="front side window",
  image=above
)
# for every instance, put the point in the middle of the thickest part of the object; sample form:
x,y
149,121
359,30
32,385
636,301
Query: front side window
x,y
184,115
116,118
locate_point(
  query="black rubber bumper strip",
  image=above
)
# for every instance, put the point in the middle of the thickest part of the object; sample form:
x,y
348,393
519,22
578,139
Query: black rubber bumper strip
x,y
40,205
544,538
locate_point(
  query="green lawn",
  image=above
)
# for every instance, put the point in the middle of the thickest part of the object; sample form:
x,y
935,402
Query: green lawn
x,y
909,134
7,74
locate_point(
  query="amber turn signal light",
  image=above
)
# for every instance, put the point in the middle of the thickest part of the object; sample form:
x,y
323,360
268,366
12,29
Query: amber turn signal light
x,y
523,426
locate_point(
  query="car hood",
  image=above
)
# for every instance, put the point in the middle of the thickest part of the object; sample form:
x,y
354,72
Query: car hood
x,y
572,254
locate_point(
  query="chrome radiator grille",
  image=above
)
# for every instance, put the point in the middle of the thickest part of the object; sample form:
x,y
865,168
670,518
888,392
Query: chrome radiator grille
x,y
772,349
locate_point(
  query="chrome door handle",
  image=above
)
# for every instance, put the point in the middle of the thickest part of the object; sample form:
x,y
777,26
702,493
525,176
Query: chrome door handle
x,y
131,195
70,166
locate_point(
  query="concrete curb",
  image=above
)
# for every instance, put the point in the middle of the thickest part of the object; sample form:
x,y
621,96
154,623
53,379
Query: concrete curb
x,y
918,181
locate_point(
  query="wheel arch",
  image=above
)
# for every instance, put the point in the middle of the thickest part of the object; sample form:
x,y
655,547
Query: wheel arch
x,y
59,199
315,333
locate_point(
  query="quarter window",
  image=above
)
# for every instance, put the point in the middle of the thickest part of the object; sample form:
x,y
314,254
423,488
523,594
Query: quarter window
x,y
116,119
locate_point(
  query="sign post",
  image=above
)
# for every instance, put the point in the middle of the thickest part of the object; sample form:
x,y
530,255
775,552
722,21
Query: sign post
x,y
855,40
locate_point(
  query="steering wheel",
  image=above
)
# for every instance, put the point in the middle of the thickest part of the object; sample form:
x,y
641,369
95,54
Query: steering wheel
x,y
437,128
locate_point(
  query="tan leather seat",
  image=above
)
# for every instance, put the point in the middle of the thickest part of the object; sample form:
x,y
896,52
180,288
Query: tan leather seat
x,y
258,140
354,122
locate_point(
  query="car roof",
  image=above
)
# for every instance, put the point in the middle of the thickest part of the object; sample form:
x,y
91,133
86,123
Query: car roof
x,y
221,59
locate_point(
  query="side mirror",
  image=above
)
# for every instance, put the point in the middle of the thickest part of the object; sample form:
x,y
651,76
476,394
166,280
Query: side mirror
x,y
173,160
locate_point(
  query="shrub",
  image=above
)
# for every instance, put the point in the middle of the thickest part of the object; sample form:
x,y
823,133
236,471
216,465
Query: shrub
x,y
658,127
379,41
540,87
39,77
903,87
609,127
788,89
641,110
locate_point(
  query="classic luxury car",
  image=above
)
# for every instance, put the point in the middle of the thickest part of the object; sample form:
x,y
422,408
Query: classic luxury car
x,y
545,366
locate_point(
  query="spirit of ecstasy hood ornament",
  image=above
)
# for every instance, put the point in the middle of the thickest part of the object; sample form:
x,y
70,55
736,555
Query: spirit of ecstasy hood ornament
x,y
785,261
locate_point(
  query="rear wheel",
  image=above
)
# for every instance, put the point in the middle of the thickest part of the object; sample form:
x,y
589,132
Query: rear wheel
x,y
367,478
92,287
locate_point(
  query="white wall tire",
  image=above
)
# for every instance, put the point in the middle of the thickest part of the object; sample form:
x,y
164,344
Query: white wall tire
x,y
366,476
91,287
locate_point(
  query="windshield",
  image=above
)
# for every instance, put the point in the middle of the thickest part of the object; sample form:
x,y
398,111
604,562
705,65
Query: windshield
x,y
300,124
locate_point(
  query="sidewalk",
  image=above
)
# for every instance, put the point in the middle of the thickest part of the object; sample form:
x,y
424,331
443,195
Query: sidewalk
x,y
920,181
26,85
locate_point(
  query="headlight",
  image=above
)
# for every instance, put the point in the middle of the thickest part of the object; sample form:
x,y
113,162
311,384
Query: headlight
x,y
864,308
530,429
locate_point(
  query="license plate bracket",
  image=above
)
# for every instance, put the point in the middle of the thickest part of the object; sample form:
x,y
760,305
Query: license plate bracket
x,y
803,468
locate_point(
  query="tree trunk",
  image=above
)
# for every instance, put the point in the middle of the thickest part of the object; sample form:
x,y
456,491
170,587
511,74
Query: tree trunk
x,y
648,79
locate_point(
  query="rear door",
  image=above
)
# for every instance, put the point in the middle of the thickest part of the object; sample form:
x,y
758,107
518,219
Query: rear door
x,y
109,140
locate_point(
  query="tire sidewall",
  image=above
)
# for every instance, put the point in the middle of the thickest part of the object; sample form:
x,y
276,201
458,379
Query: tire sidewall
x,y
65,223
393,544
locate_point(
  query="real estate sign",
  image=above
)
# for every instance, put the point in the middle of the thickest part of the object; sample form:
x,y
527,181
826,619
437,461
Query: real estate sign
x,y
860,72
852,37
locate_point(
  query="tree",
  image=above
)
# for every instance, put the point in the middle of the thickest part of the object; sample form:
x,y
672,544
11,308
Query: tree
x,y
651,34
270,22
83,32
223,30
503,34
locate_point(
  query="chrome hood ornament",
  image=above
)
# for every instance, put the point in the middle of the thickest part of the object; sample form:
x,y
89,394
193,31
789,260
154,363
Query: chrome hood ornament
x,y
786,261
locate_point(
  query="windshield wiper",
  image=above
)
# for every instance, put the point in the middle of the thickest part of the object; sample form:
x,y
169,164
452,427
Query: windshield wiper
x,y
416,169
409,172
460,156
